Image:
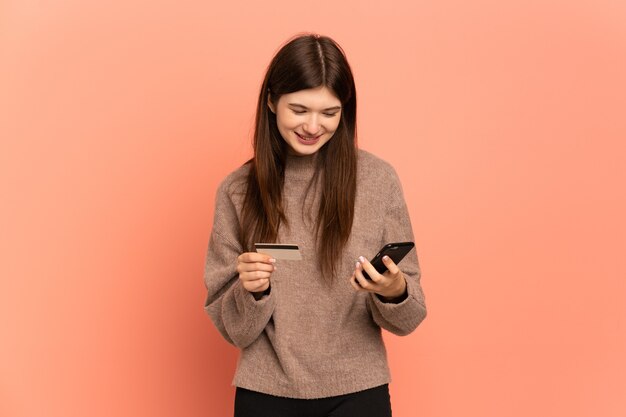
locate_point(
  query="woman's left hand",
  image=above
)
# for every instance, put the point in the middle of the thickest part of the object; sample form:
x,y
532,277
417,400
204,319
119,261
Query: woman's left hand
x,y
390,285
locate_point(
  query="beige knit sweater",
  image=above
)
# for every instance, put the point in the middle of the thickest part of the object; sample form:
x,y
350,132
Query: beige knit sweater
x,y
304,339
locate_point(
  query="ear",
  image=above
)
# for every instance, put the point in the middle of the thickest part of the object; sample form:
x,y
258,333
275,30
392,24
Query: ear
x,y
270,104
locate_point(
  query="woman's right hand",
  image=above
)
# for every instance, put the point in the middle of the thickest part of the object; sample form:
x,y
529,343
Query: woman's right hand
x,y
255,270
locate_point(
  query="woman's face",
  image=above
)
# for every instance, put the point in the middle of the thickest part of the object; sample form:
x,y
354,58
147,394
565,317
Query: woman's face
x,y
307,119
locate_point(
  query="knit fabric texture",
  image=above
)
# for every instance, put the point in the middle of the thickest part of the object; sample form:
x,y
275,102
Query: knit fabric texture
x,y
308,339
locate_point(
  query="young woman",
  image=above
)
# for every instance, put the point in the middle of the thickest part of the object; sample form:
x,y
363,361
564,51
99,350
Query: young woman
x,y
309,330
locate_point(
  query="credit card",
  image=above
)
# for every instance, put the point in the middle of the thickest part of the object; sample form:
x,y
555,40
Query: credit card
x,y
285,251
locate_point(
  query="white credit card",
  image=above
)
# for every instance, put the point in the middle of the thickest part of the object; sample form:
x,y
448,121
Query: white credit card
x,y
286,251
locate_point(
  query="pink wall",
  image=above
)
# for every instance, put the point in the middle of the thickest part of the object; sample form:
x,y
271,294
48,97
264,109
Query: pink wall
x,y
505,121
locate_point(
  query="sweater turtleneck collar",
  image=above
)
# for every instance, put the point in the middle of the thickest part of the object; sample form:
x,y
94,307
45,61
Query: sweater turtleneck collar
x,y
300,167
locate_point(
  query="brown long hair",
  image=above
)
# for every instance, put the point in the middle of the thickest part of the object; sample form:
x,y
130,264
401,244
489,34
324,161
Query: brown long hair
x,y
306,61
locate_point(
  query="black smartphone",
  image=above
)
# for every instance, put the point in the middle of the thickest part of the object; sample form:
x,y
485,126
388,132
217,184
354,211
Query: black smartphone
x,y
396,251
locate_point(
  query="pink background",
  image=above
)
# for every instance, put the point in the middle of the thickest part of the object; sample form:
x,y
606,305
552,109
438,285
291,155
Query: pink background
x,y
505,121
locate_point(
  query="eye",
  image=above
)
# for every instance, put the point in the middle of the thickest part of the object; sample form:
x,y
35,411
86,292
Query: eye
x,y
299,111
330,114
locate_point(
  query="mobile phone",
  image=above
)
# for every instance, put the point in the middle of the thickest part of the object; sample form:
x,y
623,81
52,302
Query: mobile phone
x,y
396,251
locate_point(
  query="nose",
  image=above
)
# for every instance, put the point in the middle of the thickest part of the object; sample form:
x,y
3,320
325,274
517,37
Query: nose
x,y
312,125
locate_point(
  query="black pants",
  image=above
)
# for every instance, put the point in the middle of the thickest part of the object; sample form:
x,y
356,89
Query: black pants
x,y
373,402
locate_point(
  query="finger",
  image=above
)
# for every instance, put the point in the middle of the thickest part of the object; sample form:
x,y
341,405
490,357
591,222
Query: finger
x,y
254,275
354,283
391,265
363,282
255,266
255,257
256,286
371,271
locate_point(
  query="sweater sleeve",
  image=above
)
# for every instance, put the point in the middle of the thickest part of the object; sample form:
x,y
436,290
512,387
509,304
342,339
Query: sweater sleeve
x,y
403,317
238,316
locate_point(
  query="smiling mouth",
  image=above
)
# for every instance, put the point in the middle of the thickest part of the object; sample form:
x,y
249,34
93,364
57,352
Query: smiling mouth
x,y
309,138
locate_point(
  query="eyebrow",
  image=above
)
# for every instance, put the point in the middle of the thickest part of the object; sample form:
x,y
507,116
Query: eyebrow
x,y
306,108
